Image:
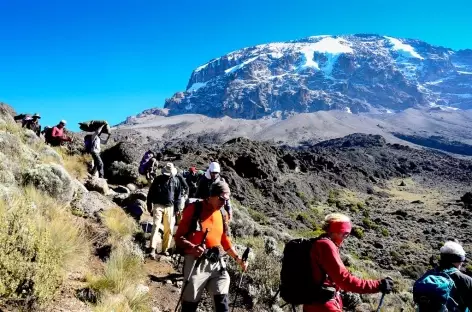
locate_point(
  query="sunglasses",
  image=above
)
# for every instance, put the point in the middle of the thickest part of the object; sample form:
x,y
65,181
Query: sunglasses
x,y
221,198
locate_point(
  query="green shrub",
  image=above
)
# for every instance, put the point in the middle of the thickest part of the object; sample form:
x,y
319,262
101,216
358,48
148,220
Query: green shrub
x,y
369,224
358,232
259,217
384,232
360,205
333,197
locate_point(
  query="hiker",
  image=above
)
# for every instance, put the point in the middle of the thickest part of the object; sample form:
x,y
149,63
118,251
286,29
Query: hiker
x,y
57,135
184,195
163,203
327,265
192,177
211,176
211,273
95,142
148,166
431,291
32,123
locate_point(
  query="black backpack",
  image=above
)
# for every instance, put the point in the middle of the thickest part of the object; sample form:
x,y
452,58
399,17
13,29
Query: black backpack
x,y
297,285
47,134
88,143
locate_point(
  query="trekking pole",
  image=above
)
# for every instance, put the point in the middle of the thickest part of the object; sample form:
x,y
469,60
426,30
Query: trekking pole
x,y
381,302
244,258
195,265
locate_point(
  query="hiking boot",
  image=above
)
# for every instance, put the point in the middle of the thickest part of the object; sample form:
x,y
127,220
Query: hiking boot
x,y
153,254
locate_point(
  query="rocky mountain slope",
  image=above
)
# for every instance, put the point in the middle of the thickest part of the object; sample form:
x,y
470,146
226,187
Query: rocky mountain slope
x,y
355,73
433,128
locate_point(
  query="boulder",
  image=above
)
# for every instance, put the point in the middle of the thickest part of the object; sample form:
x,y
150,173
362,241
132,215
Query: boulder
x,y
121,173
79,189
52,179
119,198
49,153
98,185
7,112
121,189
136,209
131,187
91,203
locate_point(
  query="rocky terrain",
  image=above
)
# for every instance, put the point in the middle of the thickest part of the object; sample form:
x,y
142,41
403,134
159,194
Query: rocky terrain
x,y
404,202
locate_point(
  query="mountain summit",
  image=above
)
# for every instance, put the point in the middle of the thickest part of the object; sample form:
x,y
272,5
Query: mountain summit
x,y
355,73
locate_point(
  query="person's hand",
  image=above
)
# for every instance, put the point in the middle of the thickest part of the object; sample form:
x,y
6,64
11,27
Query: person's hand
x,y
242,264
197,251
386,285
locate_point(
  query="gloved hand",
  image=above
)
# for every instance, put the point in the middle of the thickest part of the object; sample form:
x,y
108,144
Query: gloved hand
x,y
386,285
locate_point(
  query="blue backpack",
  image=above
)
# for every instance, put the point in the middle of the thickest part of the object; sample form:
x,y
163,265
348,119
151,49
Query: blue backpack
x,y
432,291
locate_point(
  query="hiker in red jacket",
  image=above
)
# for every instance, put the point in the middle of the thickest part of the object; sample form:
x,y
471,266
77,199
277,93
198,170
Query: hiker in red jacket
x,y
57,135
327,265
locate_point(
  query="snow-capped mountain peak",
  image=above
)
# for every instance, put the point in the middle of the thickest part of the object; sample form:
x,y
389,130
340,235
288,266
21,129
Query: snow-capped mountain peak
x,y
355,73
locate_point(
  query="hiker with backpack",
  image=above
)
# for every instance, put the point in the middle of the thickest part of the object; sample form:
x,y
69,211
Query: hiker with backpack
x,y
313,273
445,288
208,216
32,123
184,195
148,166
55,135
192,177
212,175
92,145
163,203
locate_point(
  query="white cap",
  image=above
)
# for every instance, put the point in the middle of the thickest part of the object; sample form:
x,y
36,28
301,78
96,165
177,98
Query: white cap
x,y
214,167
63,122
452,248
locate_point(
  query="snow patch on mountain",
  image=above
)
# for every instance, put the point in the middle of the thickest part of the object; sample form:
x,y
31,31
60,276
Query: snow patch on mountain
x,y
407,50
196,86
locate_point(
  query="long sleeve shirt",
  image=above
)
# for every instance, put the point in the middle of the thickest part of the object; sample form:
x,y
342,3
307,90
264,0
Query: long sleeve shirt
x,y
327,264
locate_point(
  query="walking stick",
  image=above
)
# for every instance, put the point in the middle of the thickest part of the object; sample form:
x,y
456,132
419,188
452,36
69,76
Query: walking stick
x,y
381,302
195,265
244,258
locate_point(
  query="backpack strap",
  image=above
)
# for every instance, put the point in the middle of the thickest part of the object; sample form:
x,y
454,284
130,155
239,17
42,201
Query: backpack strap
x,y
195,223
225,223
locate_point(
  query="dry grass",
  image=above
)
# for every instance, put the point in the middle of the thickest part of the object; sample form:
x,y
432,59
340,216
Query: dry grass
x,y
40,242
120,226
117,286
76,165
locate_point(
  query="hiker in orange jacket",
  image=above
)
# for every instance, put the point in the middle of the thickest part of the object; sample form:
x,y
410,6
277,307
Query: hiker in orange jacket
x,y
327,265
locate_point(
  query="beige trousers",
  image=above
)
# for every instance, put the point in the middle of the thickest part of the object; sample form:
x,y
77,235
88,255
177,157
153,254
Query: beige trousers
x,y
162,213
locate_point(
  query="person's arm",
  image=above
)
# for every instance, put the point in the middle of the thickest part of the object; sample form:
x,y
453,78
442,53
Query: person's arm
x,y
332,265
150,198
464,286
200,186
177,196
97,132
55,132
229,209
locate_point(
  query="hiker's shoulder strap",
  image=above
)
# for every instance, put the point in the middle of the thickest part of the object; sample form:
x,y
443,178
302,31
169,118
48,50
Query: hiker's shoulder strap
x,y
196,222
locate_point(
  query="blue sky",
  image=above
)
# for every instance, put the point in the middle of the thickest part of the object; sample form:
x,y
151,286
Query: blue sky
x,y
103,59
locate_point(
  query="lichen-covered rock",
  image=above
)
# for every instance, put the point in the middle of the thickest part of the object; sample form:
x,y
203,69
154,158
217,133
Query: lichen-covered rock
x,y
121,173
79,189
12,146
91,203
98,185
30,137
121,189
52,179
